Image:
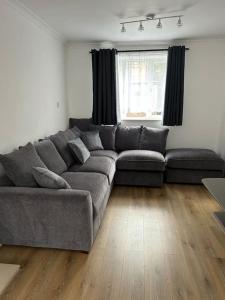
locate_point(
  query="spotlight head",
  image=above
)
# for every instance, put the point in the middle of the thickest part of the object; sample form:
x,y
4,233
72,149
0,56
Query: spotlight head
x,y
123,29
179,22
141,27
159,24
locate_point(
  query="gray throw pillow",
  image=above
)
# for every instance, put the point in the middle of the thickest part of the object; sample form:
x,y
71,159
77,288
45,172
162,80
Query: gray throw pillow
x,y
19,163
50,156
154,139
48,179
107,135
79,150
92,140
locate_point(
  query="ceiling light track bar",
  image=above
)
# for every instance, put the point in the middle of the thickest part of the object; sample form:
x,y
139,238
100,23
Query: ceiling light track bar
x,y
153,19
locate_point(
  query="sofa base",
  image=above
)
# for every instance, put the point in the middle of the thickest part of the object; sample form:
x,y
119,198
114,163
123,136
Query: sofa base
x,y
138,178
190,176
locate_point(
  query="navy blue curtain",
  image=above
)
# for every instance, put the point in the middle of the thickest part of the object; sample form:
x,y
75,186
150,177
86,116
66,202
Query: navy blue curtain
x,y
104,86
173,107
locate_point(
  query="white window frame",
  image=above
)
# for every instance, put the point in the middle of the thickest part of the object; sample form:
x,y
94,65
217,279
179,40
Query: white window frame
x,y
150,117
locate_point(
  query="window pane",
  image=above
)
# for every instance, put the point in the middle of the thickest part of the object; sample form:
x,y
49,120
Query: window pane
x,y
141,82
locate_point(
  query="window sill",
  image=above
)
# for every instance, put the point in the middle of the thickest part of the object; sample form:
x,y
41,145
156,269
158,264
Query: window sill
x,y
157,118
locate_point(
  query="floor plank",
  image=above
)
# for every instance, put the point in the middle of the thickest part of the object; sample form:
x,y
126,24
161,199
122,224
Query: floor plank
x,y
154,244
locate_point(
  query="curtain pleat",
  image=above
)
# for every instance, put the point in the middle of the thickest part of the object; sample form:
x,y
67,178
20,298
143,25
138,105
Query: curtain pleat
x,y
173,106
104,86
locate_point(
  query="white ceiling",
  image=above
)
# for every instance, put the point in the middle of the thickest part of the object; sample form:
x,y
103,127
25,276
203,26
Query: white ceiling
x,y
98,20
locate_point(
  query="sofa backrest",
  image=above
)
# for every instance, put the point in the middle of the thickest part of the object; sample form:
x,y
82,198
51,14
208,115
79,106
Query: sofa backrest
x,y
154,139
142,138
82,124
128,137
107,135
4,179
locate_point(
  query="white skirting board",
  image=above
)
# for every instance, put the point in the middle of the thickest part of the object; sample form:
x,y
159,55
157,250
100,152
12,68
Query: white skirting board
x,y
7,272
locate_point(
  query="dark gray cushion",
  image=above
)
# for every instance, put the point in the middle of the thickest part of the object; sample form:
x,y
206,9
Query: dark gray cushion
x,y
82,124
140,160
50,156
96,184
198,159
79,150
19,163
154,139
107,135
60,140
103,165
107,153
4,179
48,179
128,137
92,140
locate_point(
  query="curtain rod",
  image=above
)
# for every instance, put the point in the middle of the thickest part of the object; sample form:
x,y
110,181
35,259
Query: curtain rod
x,y
144,50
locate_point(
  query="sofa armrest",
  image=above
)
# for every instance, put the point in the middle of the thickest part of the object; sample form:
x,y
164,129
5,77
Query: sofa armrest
x,y
46,218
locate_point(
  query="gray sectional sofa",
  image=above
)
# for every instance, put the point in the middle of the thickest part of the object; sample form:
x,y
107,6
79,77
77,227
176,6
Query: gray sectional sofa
x,y
70,218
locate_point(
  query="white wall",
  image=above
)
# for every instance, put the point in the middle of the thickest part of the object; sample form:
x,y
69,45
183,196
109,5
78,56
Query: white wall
x,y
31,79
79,79
204,99
222,137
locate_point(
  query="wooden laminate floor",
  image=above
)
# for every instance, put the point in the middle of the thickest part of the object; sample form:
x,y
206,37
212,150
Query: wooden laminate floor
x,y
153,244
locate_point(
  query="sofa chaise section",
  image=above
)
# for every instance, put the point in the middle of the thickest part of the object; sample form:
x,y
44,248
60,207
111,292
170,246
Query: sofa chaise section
x,y
191,165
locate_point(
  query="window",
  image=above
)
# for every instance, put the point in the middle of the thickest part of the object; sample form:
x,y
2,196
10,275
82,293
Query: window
x,y
141,80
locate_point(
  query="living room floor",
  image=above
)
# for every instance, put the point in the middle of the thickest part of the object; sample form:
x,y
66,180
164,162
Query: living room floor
x,y
154,243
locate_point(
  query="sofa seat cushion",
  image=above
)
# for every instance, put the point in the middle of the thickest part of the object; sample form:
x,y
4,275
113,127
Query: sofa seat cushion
x,y
97,164
140,160
95,183
196,159
107,153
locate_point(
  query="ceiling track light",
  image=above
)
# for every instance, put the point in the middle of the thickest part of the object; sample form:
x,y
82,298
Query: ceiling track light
x,y
152,17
